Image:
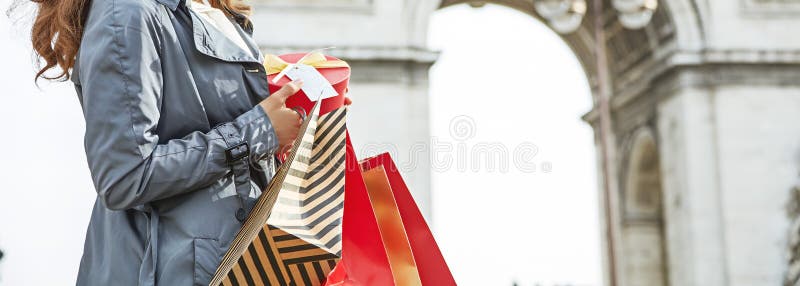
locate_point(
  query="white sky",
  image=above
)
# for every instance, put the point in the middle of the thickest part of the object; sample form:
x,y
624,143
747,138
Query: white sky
x,y
493,227
518,82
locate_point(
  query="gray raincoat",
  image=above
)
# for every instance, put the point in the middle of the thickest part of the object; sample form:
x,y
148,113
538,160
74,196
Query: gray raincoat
x,y
176,144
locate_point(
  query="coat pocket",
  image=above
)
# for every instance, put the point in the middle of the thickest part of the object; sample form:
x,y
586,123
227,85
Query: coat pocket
x,y
206,259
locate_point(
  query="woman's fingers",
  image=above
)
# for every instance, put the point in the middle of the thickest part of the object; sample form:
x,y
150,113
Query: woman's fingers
x,y
286,123
288,90
278,99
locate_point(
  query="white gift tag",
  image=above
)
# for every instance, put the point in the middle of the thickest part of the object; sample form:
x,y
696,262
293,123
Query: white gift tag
x,y
315,86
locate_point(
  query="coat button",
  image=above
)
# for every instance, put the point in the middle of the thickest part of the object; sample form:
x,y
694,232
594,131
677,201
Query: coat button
x,y
241,215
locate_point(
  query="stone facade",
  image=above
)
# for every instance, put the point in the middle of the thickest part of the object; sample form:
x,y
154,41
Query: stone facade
x,y
704,102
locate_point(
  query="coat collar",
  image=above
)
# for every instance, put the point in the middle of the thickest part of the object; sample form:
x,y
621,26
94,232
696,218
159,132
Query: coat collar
x,y
172,4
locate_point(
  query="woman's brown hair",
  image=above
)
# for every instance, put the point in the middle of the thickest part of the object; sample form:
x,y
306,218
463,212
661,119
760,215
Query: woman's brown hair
x,y
58,28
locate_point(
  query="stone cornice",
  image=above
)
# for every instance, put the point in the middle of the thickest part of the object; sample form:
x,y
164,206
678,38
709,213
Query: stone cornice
x,y
403,65
634,82
708,69
713,56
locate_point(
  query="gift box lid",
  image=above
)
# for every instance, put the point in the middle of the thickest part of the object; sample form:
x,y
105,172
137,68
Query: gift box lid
x,y
339,77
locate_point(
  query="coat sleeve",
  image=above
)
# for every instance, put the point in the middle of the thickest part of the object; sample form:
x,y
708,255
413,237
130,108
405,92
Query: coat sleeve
x,y
121,81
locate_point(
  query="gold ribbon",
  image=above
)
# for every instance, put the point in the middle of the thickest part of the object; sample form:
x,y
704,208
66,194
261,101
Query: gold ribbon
x,y
275,64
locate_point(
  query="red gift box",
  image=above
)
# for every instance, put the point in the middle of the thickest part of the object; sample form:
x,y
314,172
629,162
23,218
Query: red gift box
x,y
339,77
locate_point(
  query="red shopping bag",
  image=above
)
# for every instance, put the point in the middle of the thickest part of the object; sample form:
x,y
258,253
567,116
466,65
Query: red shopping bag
x,y
385,240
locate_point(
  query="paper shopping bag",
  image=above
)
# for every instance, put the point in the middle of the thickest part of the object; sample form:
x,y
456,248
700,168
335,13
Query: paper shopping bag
x,y
430,263
390,224
293,234
388,241
364,261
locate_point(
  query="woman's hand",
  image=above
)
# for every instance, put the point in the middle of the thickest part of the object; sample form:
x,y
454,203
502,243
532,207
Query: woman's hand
x,y
285,121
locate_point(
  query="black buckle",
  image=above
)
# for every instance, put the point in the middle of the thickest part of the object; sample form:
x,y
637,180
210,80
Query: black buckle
x,y
237,152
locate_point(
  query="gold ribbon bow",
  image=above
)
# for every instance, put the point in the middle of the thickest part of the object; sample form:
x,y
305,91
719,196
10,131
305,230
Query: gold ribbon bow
x,y
274,64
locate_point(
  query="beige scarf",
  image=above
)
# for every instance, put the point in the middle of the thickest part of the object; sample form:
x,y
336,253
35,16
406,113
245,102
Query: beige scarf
x,y
220,21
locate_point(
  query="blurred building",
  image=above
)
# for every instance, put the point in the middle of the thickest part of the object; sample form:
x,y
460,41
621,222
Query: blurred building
x,y
697,119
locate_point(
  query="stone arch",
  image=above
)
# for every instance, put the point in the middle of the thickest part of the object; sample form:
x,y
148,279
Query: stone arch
x,y
687,16
644,256
643,178
675,27
675,30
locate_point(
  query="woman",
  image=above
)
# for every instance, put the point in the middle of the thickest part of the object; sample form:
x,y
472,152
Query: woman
x,y
179,130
